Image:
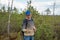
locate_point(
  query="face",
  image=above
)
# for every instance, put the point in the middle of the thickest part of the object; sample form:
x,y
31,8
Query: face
x,y
28,16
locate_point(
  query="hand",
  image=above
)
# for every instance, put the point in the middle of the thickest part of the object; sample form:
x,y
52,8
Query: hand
x,y
28,31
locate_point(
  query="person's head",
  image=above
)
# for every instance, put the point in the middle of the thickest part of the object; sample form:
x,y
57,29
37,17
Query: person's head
x,y
28,14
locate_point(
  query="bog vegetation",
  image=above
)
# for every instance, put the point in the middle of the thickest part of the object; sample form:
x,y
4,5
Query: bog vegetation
x,y
48,26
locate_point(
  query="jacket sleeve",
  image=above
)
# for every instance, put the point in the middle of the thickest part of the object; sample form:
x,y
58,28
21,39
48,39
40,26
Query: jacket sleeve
x,y
34,28
23,26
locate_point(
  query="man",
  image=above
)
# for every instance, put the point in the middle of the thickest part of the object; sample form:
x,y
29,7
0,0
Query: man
x,y
28,27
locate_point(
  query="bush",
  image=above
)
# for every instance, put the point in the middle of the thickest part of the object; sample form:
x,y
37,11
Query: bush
x,y
44,32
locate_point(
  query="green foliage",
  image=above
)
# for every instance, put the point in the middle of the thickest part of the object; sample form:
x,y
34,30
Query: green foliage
x,y
44,32
48,27
44,25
